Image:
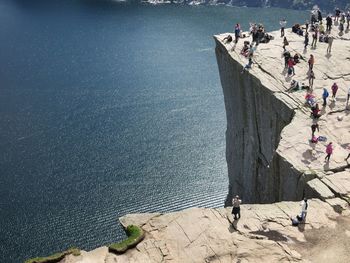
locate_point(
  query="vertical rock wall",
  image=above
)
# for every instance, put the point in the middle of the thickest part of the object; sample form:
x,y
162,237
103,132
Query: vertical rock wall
x,y
255,119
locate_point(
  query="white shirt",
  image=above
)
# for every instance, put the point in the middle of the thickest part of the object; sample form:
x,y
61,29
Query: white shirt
x,y
283,23
303,206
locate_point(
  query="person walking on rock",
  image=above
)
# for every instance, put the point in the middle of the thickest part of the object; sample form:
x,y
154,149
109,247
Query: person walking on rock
x,y
334,90
236,209
325,96
291,64
329,151
285,43
314,127
311,79
306,40
311,62
304,206
330,43
314,38
329,23
283,24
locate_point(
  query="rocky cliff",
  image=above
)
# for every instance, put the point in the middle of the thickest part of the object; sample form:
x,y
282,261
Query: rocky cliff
x,y
268,152
270,159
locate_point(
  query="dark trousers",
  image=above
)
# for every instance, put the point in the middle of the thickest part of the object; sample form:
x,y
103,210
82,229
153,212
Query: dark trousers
x,y
324,101
328,157
282,31
236,211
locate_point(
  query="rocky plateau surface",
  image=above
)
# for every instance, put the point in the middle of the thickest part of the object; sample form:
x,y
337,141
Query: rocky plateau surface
x,y
270,159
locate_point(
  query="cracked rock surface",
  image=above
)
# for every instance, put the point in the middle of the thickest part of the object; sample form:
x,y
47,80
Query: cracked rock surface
x,y
263,234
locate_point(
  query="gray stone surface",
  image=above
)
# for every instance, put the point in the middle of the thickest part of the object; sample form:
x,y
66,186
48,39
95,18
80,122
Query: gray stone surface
x,y
317,189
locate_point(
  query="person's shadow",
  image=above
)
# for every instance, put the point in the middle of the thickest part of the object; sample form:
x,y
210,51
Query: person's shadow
x,y
233,226
326,166
301,226
328,55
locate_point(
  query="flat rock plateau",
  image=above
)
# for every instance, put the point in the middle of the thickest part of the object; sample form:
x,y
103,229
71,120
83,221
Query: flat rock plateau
x,y
271,162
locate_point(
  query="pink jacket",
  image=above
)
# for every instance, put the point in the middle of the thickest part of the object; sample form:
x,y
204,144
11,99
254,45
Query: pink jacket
x,y
329,149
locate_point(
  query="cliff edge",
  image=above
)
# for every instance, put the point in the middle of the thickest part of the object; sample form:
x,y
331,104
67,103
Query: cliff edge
x,y
269,159
268,150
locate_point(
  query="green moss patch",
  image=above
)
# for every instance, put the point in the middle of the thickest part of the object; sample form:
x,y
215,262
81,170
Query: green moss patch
x,y
135,235
57,257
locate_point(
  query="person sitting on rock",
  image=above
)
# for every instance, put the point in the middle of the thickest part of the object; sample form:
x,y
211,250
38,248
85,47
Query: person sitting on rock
x,y
245,49
310,99
236,209
227,39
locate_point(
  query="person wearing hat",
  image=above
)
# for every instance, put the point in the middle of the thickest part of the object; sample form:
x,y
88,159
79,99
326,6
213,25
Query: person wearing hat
x,y
236,210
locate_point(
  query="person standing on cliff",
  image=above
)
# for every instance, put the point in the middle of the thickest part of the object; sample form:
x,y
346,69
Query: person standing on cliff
x,y
334,90
306,41
314,38
330,43
311,79
325,95
285,43
314,127
329,151
283,24
311,62
237,32
304,206
236,209
329,23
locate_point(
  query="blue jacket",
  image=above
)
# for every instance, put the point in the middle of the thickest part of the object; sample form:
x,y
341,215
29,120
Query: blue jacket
x,y
325,94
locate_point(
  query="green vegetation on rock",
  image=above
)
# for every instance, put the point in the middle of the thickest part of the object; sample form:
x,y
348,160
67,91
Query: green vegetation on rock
x,y
55,257
135,235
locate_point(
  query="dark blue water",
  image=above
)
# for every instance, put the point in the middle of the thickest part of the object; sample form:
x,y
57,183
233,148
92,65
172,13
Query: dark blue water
x,y
107,108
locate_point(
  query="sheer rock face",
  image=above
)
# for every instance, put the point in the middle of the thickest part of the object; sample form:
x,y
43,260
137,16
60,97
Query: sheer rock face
x,y
255,119
268,150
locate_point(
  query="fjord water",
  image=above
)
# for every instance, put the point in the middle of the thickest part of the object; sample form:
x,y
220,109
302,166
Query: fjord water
x,y
108,108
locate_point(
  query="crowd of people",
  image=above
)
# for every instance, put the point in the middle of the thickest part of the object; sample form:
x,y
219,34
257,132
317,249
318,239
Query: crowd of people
x,y
319,33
